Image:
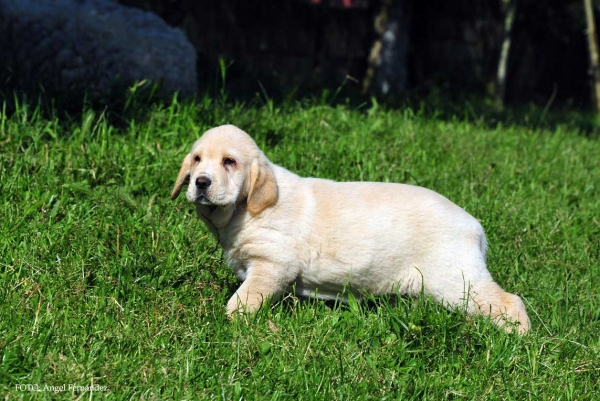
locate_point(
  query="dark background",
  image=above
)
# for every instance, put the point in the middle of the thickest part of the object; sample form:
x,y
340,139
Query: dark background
x,y
453,46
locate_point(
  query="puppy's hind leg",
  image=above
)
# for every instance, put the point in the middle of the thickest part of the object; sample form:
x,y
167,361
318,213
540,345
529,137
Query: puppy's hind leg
x,y
502,307
474,290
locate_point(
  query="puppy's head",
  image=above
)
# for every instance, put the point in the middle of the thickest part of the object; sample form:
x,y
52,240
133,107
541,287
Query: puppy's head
x,y
226,168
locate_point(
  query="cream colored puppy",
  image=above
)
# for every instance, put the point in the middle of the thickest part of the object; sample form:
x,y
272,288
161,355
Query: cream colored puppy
x,y
279,230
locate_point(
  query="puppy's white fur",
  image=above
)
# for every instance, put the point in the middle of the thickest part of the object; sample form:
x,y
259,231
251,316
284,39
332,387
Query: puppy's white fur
x,y
279,230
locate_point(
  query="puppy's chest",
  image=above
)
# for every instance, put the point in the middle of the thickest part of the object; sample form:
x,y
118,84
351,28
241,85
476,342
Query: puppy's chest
x,y
268,246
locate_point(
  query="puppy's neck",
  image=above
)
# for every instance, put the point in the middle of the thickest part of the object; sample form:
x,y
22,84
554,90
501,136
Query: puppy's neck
x,y
224,223
213,216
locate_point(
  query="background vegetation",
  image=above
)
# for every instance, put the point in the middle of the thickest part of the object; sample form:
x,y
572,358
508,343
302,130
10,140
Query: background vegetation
x,y
104,280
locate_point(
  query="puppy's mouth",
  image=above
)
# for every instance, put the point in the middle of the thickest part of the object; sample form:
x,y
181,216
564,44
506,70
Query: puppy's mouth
x,y
203,200
199,198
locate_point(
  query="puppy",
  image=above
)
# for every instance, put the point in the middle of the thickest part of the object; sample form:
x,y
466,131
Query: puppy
x,y
279,231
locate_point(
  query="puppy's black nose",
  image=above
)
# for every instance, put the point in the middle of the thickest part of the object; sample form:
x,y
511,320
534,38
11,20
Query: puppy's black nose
x,y
203,182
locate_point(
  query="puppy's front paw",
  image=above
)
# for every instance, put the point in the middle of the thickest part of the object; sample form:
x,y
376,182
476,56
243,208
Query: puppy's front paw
x,y
250,303
235,306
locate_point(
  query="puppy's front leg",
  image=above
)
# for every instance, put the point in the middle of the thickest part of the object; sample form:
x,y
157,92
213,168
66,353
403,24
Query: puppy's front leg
x,y
261,284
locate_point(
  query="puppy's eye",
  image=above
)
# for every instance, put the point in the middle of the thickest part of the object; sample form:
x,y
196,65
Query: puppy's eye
x,y
197,159
228,161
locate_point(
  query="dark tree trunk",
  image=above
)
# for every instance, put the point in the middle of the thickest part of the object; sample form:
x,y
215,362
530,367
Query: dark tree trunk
x,y
510,10
593,48
387,71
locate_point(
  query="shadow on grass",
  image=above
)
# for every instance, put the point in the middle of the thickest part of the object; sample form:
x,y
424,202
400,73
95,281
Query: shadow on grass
x,y
434,102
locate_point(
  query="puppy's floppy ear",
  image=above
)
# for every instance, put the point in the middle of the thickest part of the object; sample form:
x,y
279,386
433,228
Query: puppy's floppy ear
x,y
263,187
183,176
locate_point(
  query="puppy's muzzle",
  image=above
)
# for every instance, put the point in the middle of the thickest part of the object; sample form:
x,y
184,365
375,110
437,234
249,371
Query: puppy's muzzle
x,y
203,184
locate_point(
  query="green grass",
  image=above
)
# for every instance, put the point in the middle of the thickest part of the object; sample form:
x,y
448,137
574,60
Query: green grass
x,y
104,280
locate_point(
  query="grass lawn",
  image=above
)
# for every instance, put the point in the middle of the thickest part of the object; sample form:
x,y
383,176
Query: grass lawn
x,y
105,282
